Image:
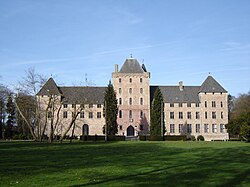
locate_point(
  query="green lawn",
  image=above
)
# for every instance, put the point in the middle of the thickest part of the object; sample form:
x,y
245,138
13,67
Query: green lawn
x,y
125,164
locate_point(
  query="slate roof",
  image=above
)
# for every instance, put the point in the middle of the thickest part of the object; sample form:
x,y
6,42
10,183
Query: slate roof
x,y
131,65
49,87
172,94
82,95
211,85
74,95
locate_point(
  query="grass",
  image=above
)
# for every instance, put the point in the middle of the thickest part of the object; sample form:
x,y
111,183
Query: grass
x,y
125,164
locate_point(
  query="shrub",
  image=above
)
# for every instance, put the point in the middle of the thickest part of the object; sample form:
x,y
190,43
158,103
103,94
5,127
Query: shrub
x,y
191,138
142,138
200,138
116,138
154,138
175,138
20,137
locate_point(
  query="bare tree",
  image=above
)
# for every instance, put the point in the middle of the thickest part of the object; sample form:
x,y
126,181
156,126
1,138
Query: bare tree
x,y
28,88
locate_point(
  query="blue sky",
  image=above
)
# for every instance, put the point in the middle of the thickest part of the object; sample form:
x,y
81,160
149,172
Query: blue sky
x,y
176,40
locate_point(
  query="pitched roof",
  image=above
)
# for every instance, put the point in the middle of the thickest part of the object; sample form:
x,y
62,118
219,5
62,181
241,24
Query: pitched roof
x,y
211,85
131,65
82,95
49,87
173,94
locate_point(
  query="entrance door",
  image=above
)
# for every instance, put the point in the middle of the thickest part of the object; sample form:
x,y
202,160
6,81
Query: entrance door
x,y
130,131
85,130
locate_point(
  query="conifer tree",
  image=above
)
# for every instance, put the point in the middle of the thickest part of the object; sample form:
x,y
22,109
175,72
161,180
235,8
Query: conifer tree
x,y
10,110
156,126
110,110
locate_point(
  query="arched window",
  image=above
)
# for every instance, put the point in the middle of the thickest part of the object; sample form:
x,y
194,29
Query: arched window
x,y
141,101
85,130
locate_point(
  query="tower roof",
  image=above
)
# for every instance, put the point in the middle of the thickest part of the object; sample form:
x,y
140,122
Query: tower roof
x,y
49,87
211,85
131,65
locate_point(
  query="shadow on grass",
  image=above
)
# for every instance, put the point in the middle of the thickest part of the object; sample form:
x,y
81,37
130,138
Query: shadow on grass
x,y
124,164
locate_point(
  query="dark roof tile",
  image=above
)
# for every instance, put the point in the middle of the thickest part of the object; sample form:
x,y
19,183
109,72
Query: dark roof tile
x,y
131,65
211,85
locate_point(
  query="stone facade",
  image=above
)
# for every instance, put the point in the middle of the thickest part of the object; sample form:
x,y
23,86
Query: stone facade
x,y
190,110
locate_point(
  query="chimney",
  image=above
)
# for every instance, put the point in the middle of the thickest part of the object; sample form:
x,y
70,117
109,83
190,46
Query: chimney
x,y
181,87
116,68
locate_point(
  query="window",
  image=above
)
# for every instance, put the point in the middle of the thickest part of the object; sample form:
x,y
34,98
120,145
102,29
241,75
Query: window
x,y
141,101
120,80
120,127
130,114
180,128
206,128
140,80
73,114
99,106
141,90
188,104
197,104
130,101
221,104
65,114
205,115
171,115
180,115
198,128
141,114
120,101
99,114
90,105
189,115
197,115
213,104
189,128
171,104
130,90
222,127
73,105
214,128
120,90
90,114
130,80
221,115
82,105
180,104
171,128
81,114
206,104
120,114
213,115
141,127
49,114
65,106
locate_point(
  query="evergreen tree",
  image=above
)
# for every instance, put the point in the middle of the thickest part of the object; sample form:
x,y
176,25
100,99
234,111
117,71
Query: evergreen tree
x,y
2,115
110,110
156,121
10,110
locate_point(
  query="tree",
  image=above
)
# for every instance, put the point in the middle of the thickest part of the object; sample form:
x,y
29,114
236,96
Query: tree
x,y
110,110
239,123
29,87
157,110
11,112
4,92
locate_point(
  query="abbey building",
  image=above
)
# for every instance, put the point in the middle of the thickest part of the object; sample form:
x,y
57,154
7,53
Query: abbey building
x,y
193,110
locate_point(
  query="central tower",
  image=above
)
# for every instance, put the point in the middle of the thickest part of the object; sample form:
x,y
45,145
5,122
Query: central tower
x,y
131,84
